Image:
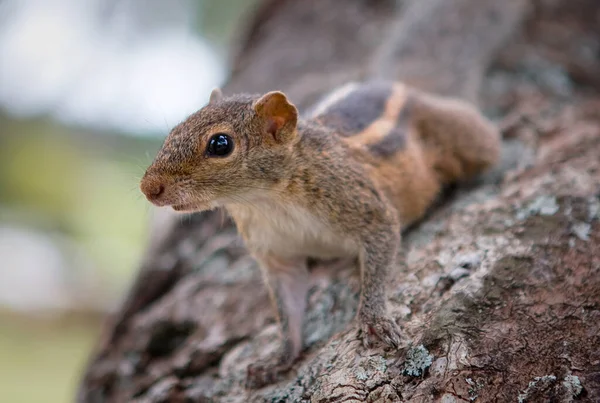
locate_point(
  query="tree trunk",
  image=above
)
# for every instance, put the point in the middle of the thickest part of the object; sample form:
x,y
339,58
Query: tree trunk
x,y
498,290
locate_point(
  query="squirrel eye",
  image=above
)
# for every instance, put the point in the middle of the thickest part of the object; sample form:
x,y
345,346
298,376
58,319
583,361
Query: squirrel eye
x,y
219,145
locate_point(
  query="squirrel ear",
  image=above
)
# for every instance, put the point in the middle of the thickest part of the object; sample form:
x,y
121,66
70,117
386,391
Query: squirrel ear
x,y
279,115
215,96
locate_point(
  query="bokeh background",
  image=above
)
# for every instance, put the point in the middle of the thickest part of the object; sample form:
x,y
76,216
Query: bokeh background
x,y
88,90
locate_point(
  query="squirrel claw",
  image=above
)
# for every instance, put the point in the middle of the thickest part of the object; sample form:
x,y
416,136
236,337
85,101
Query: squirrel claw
x,y
382,329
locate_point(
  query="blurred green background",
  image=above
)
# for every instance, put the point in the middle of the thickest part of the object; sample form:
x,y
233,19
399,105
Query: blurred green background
x,y
88,90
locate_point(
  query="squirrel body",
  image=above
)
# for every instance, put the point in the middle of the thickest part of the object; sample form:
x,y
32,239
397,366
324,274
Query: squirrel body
x,y
341,182
413,143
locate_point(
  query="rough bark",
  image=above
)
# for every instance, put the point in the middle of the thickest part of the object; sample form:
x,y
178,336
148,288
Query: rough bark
x,y
498,290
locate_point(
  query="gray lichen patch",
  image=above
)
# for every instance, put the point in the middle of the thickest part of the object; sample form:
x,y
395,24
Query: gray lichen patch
x,y
543,205
593,209
417,361
547,387
582,230
539,383
474,387
372,366
361,374
572,385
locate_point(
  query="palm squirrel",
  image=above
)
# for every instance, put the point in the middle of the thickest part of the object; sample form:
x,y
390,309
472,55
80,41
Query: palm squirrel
x,y
340,182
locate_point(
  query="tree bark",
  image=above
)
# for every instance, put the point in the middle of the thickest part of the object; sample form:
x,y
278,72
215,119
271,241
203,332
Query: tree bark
x,y
498,290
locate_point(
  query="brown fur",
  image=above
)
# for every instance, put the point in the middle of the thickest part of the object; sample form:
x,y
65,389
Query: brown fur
x,y
316,189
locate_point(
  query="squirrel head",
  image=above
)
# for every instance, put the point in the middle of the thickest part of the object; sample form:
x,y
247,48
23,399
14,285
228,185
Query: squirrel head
x,y
229,151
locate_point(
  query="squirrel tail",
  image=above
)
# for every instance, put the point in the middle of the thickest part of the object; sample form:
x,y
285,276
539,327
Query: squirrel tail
x,y
459,140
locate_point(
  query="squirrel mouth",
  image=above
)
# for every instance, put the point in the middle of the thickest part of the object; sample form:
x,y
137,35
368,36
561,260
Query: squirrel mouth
x,y
185,207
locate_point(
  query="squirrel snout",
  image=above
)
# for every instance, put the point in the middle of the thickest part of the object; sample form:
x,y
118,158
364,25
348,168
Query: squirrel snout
x,y
152,188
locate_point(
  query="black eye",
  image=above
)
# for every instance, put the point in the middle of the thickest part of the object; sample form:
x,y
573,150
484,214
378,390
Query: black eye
x,y
219,145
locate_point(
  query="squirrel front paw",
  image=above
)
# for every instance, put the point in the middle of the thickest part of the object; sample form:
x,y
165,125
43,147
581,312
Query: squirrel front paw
x,y
266,372
379,328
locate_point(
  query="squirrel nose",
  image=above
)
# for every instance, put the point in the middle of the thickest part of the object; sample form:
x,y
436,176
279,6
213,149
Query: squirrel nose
x,y
152,189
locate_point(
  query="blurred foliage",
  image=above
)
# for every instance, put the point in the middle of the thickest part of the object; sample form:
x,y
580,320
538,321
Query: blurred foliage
x,y
41,361
78,183
219,19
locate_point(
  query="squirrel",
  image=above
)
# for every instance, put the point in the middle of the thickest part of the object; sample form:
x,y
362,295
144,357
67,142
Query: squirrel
x,y
339,182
